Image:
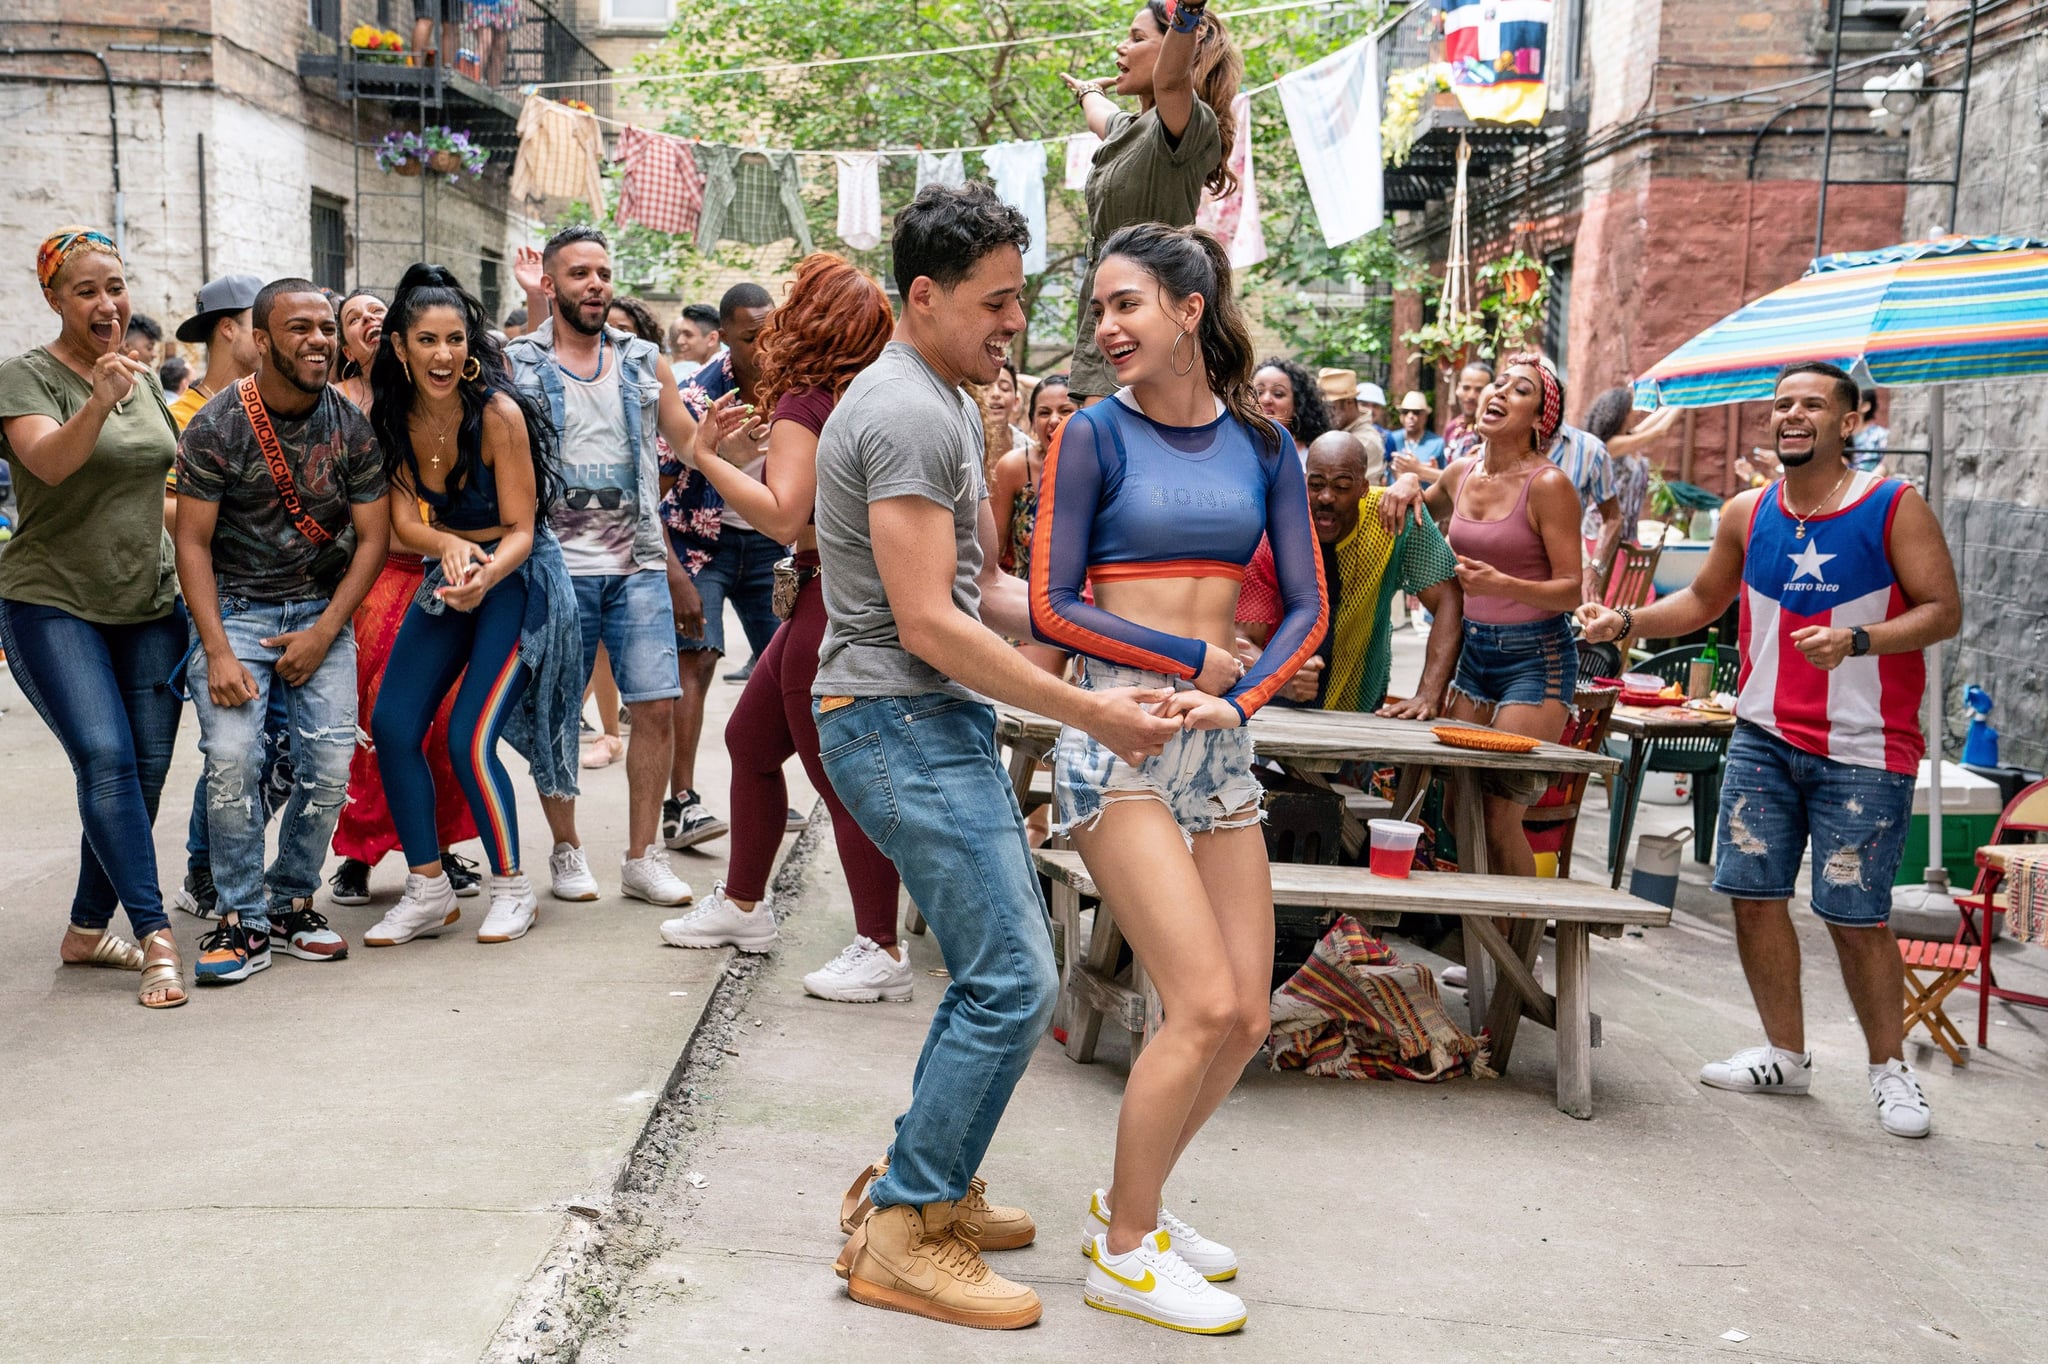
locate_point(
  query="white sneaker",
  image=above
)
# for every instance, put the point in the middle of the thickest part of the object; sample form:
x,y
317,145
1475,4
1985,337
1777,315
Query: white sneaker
x,y
718,922
569,875
1761,1070
423,911
1155,1284
862,974
649,877
513,909
1901,1107
1212,1260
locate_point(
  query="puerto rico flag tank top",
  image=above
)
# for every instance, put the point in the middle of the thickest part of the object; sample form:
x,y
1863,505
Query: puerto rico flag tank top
x,y
1865,713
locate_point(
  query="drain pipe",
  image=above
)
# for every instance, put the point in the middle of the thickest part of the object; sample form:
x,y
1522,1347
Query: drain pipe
x,y
113,126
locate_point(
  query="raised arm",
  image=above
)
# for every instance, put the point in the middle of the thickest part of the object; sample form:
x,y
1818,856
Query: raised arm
x,y
1173,75
779,507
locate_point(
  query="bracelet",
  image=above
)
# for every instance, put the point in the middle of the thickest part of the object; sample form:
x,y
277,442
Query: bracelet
x,y
1182,17
1628,621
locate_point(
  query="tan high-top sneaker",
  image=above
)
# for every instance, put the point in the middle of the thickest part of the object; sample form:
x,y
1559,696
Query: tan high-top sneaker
x,y
997,1227
919,1260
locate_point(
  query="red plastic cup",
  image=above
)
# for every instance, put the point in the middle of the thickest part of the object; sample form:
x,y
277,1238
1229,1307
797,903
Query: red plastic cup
x,y
1393,847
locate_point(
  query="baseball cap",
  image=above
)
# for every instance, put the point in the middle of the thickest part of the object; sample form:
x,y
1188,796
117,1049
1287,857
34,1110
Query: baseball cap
x,y
218,297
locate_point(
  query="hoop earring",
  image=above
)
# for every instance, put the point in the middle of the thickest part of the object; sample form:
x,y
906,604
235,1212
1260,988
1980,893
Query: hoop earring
x,y
1178,371
474,370
402,364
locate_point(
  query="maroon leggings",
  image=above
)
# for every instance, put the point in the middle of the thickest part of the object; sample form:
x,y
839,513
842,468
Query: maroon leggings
x,y
771,722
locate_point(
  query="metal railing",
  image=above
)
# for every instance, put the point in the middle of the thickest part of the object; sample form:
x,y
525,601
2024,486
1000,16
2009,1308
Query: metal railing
x,y
540,48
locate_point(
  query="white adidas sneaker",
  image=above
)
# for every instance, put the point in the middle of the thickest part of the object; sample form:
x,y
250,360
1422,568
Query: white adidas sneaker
x,y
1154,1284
423,911
1761,1070
1901,1107
513,910
1213,1260
862,974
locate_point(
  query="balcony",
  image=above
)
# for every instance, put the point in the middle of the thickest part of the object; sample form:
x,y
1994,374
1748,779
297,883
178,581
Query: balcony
x,y
1430,170
541,49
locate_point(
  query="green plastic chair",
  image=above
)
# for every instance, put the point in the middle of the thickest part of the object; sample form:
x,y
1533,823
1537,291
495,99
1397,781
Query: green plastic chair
x,y
1702,755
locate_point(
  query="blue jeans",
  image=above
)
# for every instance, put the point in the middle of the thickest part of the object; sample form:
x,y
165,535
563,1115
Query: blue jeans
x,y
103,690
741,571
921,776
1776,798
630,614
277,784
1518,665
321,718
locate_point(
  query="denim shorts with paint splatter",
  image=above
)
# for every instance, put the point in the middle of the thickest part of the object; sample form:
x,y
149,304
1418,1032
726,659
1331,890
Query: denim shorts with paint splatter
x,y
1203,776
1775,798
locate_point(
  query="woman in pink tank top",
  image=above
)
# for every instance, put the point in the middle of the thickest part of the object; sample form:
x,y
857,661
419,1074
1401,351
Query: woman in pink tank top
x,y
1515,529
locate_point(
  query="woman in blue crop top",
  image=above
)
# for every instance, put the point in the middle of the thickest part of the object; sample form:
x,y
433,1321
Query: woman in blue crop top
x,y
461,444
1158,497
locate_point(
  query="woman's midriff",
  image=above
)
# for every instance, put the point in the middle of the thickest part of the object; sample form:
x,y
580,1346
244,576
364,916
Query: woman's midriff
x,y
1196,608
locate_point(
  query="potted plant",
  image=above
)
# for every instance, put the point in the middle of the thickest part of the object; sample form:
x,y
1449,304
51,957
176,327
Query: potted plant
x,y
1517,290
1450,341
452,152
401,152
373,44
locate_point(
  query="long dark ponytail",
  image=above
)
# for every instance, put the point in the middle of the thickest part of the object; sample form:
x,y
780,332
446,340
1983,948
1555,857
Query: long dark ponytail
x,y
432,286
1188,261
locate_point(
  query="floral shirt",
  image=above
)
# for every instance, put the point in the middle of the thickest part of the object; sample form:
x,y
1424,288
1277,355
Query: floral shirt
x,y
692,510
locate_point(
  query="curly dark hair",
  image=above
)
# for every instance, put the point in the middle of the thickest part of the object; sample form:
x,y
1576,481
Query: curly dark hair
x,y
1608,416
1312,415
946,231
645,325
432,286
832,326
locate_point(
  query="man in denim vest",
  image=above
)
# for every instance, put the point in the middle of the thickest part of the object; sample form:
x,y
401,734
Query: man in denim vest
x,y
609,394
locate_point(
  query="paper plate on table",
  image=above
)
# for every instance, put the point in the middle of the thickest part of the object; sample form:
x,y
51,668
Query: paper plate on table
x,y
1485,740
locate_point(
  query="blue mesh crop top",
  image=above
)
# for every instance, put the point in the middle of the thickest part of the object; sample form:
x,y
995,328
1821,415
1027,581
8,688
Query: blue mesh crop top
x,y
472,505
1124,496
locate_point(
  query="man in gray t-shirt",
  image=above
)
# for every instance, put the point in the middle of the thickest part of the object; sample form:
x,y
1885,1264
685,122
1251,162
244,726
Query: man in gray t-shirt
x,y
907,541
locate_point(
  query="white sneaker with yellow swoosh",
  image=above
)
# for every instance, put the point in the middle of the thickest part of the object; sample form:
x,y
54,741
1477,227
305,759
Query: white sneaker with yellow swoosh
x,y
1212,1260
1154,1284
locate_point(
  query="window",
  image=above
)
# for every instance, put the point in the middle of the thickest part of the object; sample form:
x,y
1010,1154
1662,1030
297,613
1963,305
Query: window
x,y
330,243
325,17
488,287
1557,312
638,13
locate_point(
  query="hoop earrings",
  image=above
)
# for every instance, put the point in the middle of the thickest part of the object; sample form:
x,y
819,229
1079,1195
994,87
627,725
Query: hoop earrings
x,y
1178,370
402,364
474,370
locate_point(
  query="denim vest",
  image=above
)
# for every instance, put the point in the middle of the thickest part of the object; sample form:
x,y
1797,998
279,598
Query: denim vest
x,y
536,374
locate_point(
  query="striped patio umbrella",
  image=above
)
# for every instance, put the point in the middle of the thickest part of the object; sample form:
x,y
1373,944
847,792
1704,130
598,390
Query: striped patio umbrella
x,y
1951,310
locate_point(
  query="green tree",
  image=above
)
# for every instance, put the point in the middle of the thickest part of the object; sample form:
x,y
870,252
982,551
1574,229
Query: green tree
x,y
946,99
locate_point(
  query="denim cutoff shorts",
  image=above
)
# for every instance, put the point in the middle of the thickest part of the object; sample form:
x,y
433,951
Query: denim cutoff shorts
x,y
1519,665
1775,799
1203,776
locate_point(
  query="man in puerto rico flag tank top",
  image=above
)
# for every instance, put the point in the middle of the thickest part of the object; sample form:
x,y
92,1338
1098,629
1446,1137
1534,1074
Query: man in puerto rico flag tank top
x,y
1844,579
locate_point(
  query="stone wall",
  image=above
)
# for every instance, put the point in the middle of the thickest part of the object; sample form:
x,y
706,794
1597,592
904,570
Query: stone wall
x,y
1996,473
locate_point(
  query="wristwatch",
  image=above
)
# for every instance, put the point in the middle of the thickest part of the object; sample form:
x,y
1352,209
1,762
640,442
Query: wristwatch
x,y
1859,641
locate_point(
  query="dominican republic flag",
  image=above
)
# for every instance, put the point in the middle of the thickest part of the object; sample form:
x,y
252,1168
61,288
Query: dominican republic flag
x,y
1866,712
1495,49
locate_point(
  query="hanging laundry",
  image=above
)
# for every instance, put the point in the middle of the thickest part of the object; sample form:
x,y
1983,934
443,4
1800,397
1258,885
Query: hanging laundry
x,y
1081,149
1496,56
750,196
1235,218
860,199
1018,169
661,186
1332,112
940,168
559,151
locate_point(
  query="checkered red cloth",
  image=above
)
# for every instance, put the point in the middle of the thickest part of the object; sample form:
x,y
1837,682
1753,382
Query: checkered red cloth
x,y
662,188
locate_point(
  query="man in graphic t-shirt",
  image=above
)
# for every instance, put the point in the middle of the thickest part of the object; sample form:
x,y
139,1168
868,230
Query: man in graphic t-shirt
x,y
609,393
1844,579
272,478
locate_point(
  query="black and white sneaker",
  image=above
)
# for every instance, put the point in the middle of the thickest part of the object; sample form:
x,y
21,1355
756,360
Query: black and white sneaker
x,y
350,884
685,822
462,874
197,896
1761,1070
1901,1107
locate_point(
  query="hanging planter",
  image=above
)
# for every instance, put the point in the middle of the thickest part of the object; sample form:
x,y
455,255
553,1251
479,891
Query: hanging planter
x,y
1519,291
447,152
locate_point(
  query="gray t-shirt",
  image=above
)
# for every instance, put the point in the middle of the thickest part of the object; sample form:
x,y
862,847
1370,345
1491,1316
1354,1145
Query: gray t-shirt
x,y
900,431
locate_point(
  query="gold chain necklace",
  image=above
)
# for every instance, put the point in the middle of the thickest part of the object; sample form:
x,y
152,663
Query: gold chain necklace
x,y
1799,533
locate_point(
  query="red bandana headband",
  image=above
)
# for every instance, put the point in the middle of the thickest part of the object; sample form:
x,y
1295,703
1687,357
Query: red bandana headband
x,y
1551,416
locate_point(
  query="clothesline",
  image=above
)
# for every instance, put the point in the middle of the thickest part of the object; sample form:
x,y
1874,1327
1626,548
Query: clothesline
x,y
907,55
878,151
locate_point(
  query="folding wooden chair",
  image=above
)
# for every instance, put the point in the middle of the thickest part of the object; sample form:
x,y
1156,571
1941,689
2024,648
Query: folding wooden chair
x,y
1631,578
1553,821
1933,971
2024,820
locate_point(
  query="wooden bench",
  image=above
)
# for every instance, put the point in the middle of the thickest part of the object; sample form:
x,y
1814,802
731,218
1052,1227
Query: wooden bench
x,y
1090,991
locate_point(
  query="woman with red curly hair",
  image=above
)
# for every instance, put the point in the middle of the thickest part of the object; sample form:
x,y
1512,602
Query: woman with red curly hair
x,y
833,325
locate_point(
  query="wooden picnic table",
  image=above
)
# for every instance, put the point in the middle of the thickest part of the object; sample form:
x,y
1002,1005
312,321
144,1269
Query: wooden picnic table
x,y
1643,726
1311,744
